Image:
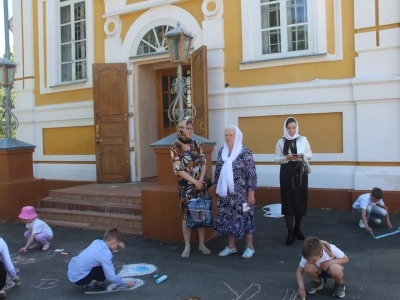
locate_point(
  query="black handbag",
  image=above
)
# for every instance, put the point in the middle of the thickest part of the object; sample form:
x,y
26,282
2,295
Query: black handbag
x,y
200,212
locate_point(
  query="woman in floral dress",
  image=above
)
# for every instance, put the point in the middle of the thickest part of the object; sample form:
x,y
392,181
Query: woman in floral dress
x,y
236,181
190,166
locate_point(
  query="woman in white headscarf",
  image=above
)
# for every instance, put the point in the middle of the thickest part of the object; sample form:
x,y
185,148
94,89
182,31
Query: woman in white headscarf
x,y
236,181
294,184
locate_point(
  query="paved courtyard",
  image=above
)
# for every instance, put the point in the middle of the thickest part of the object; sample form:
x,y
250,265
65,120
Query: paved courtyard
x,y
373,271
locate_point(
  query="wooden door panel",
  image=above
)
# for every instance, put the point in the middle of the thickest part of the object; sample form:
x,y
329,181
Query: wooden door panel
x,y
199,90
109,103
109,130
113,158
111,122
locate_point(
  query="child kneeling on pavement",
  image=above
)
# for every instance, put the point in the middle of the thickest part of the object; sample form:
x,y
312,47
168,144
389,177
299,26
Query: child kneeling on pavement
x,y
372,205
94,264
321,260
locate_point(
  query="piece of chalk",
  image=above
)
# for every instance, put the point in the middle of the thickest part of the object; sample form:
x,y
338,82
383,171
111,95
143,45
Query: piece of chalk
x,y
161,279
64,253
155,276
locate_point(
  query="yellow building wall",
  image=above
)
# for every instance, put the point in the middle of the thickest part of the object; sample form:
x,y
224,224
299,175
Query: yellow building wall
x,y
75,95
193,7
77,140
289,73
314,126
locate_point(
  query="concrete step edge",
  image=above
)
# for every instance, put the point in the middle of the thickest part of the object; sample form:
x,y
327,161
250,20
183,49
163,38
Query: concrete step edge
x,y
97,203
88,213
88,194
89,226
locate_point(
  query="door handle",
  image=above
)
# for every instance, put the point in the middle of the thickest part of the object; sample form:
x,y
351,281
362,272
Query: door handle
x,y
202,125
98,141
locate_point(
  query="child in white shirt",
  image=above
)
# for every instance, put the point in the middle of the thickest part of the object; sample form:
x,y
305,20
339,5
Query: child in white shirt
x,y
372,205
6,267
319,260
39,234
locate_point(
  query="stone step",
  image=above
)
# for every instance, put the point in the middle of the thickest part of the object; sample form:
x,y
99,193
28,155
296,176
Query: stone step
x,y
82,205
89,226
108,219
95,197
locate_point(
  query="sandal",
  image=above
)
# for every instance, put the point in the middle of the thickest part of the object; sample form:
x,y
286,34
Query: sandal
x,y
204,249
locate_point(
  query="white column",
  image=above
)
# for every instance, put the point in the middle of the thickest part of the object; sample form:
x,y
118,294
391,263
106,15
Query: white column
x,y
376,93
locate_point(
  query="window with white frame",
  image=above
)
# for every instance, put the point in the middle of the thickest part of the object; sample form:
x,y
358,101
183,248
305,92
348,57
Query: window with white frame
x,y
284,26
153,41
282,32
72,41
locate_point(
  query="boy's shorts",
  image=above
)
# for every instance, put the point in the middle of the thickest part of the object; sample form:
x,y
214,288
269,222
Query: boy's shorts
x,y
325,274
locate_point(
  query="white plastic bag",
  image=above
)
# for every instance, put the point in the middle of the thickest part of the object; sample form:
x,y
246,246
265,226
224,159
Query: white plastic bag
x,y
272,211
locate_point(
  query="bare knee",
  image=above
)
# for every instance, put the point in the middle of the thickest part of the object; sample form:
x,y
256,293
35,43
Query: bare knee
x,y
311,269
336,271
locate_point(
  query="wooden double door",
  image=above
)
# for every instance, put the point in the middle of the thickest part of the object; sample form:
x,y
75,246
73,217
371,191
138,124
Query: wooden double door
x,y
111,114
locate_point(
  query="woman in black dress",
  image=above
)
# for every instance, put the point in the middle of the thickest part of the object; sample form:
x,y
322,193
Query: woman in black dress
x,y
289,150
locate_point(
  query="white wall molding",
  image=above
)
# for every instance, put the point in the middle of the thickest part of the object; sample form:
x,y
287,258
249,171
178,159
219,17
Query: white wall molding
x,y
387,178
217,12
85,172
119,7
150,18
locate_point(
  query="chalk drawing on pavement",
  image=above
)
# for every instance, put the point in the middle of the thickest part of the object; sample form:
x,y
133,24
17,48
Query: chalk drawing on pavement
x,y
119,288
291,294
75,253
31,257
248,293
385,235
46,284
127,272
136,270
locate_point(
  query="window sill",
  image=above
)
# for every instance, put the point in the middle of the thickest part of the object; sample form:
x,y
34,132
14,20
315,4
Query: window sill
x,y
68,83
284,61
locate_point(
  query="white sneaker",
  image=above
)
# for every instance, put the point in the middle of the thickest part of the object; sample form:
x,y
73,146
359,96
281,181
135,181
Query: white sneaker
x,y
376,220
248,253
46,247
361,224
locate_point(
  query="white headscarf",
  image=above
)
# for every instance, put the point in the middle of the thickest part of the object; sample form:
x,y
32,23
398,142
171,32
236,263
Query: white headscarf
x,y
225,180
286,133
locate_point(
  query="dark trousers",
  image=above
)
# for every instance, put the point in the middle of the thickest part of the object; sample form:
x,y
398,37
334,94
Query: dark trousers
x,y
3,275
96,274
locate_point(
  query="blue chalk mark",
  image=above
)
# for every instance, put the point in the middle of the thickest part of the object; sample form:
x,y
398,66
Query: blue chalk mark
x,y
140,268
385,235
